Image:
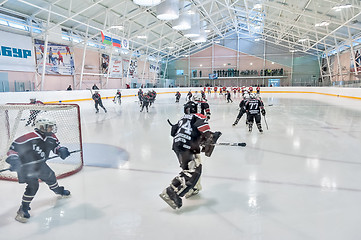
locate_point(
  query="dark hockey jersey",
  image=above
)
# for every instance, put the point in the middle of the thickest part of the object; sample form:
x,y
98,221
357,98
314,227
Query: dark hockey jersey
x,y
96,97
188,131
253,106
33,147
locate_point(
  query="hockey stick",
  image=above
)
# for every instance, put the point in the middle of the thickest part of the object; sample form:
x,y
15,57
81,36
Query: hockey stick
x,y
170,123
240,144
264,117
38,161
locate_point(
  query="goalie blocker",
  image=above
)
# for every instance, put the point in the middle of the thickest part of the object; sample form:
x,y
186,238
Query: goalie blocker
x,y
209,143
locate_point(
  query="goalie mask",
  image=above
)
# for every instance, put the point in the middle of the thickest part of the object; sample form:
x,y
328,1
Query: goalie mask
x,y
190,107
45,126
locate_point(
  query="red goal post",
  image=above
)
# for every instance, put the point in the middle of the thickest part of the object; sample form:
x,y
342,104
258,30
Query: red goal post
x,y
15,121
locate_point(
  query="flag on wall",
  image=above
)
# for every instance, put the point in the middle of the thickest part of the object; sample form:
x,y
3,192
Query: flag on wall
x,y
106,40
113,41
116,43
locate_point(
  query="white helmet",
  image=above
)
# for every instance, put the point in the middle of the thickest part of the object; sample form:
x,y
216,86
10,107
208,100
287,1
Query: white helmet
x,y
252,95
46,126
246,96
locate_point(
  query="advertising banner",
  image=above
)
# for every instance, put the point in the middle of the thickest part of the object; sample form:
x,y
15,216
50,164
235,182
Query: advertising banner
x,y
116,67
16,53
133,68
59,59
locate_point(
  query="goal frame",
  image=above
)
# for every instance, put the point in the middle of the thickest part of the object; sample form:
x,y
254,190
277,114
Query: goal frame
x,y
41,107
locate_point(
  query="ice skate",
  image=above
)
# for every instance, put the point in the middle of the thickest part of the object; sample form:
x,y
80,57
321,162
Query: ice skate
x,y
62,192
235,122
194,191
171,198
23,214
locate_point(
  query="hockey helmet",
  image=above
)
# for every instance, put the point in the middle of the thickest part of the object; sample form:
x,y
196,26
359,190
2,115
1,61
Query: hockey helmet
x,y
32,100
46,126
252,95
190,107
246,96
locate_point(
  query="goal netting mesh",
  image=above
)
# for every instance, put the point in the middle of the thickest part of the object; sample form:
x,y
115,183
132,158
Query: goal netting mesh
x,y
18,119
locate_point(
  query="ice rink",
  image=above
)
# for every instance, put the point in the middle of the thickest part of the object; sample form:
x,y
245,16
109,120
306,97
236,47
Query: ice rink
x,y
299,180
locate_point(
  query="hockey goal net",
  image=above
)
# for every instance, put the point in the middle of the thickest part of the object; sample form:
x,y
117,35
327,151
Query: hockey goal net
x,y
18,119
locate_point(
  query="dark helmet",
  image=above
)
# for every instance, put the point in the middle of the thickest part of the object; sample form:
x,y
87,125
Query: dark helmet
x,y
190,107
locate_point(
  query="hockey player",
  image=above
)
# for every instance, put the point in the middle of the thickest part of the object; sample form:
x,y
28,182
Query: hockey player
x,y
190,133
254,108
189,95
152,95
229,97
27,156
145,102
204,106
177,96
140,96
242,109
258,89
118,97
33,113
98,101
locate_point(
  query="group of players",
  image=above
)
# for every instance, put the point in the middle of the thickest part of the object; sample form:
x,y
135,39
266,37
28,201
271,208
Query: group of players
x,y
191,136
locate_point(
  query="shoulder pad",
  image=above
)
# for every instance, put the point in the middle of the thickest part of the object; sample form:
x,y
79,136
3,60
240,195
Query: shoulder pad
x,y
200,115
27,137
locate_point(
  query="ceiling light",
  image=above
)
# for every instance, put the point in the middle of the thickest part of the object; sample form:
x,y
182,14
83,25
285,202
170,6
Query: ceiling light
x,y
117,27
257,39
257,6
201,38
168,10
195,29
340,7
183,22
303,40
207,31
147,3
322,24
142,37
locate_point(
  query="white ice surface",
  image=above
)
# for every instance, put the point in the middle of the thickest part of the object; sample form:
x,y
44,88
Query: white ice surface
x,y
299,180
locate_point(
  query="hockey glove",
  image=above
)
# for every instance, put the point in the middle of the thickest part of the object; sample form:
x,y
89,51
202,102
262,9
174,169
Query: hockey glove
x,y
63,152
15,163
263,112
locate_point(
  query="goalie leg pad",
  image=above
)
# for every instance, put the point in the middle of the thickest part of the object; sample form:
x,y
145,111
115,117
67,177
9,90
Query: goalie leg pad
x,y
171,198
186,180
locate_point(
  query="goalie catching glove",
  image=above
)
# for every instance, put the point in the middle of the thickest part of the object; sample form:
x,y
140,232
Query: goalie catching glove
x,y
208,141
15,163
63,152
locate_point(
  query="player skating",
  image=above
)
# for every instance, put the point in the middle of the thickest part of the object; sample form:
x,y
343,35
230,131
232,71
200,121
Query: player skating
x,y
190,133
27,156
177,96
145,102
189,95
118,97
254,108
204,106
98,101
242,109
33,113
228,95
140,96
